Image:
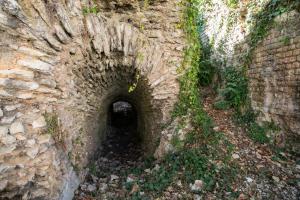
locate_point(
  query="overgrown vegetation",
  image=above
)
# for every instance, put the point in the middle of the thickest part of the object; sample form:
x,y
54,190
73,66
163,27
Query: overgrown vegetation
x,y
187,166
195,157
264,21
52,127
234,90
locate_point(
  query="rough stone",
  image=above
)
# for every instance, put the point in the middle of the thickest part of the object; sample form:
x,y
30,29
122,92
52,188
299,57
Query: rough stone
x,y
197,186
8,139
1,113
12,107
39,123
32,152
3,131
5,150
35,65
3,184
16,127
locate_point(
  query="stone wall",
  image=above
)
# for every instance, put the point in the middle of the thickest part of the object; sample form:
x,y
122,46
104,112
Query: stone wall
x,y
275,74
59,71
274,69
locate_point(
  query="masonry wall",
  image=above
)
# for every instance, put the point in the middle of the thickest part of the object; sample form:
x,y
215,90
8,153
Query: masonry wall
x,y
275,74
61,67
274,69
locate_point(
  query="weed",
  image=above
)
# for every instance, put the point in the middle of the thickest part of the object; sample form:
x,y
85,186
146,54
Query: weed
x,y
232,3
52,127
286,40
89,10
176,142
93,169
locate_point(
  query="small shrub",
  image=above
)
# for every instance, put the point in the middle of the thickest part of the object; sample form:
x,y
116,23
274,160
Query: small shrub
x,y
235,88
258,133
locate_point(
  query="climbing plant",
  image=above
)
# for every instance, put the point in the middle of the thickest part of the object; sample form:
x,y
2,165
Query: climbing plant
x,y
189,99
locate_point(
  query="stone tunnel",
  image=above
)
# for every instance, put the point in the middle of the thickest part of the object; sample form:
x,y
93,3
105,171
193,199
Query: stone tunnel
x,y
66,66
62,69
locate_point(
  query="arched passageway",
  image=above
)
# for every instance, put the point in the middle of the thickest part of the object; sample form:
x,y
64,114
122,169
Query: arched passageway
x,y
122,134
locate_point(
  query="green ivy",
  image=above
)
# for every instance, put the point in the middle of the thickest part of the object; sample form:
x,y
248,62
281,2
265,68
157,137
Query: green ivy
x,y
264,21
189,99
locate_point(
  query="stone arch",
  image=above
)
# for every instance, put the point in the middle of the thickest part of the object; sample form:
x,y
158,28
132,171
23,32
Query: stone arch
x,y
60,69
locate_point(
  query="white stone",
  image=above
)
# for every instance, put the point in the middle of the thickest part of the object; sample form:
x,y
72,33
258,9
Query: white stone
x,y
103,187
249,180
31,52
32,152
12,107
35,64
20,136
113,177
3,131
17,73
16,127
3,184
17,84
25,95
45,138
8,120
235,156
8,139
1,113
91,188
4,93
4,167
39,122
7,149
275,178
197,186
48,82
30,143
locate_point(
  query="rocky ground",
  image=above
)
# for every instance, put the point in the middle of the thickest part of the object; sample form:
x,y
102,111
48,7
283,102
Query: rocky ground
x,y
263,173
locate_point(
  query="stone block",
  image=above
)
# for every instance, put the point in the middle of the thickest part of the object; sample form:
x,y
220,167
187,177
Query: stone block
x,y
3,131
39,123
16,127
35,65
8,140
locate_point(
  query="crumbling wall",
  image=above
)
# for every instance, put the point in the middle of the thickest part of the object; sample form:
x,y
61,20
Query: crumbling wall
x,y
61,65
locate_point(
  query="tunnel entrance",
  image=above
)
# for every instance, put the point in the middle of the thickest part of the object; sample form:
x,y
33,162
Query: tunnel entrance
x,y
120,151
122,134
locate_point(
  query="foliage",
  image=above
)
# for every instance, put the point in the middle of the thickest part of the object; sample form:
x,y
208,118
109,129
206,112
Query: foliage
x,y
235,89
256,132
232,3
187,165
264,21
133,86
89,10
207,67
52,127
189,99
